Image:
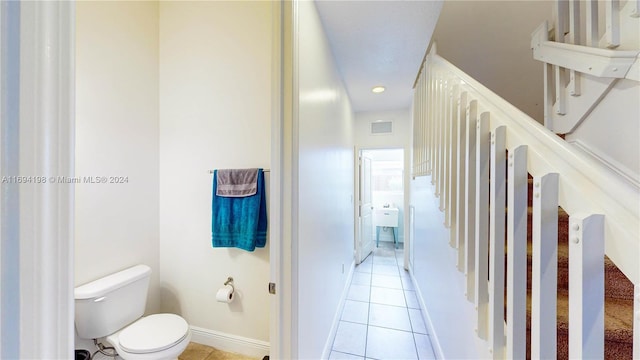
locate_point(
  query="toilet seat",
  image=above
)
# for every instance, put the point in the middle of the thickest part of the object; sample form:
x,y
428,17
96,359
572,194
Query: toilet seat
x,y
153,333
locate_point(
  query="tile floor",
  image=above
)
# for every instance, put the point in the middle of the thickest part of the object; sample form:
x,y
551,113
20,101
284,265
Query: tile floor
x,y
196,351
381,317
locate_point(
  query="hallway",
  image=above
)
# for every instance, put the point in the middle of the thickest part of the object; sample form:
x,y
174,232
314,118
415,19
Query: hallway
x,y
382,317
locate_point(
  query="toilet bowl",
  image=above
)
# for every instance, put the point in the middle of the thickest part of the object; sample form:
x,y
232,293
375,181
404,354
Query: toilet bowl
x,y
112,307
154,337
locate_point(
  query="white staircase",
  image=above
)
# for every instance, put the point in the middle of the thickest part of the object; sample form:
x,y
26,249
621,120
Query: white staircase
x,y
591,57
583,62
463,133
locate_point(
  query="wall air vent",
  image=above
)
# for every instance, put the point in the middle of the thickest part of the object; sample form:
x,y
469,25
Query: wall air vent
x,y
381,127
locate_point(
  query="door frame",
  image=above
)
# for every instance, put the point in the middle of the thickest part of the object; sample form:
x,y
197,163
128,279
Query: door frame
x,y
357,205
37,218
283,222
406,196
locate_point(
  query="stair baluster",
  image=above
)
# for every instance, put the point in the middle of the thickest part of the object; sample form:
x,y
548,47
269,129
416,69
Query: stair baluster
x,y
497,227
482,223
517,190
545,267
586,287
461,179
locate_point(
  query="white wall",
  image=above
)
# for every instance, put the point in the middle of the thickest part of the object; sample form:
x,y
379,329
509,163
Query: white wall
x,y
215,112
116,225
611,131
400,138
490,41
440,286
325,160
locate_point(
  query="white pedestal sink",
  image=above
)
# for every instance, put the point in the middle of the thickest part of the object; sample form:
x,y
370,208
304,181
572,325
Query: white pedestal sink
x,y
386,217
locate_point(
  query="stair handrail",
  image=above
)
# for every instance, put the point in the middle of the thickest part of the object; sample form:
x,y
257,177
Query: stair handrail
x,y
582,58
585,59
585,184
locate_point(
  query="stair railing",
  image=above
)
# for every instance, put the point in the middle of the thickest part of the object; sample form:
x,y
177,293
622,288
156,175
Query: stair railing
x,y
584,61
463,134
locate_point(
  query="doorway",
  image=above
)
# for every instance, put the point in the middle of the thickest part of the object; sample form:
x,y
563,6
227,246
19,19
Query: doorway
x,y
381,200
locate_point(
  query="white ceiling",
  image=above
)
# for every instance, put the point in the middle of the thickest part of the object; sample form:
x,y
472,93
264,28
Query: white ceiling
x,y
379,43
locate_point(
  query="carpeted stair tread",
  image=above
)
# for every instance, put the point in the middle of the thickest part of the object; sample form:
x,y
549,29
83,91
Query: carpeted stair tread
x,y
619,294
617,285
618,322
618,325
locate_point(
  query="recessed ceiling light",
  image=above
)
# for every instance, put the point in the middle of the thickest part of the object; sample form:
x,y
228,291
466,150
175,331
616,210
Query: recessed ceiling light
x,y
377,89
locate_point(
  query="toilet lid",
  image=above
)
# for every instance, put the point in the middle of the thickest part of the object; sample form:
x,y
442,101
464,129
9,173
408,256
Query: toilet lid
x,y
153,333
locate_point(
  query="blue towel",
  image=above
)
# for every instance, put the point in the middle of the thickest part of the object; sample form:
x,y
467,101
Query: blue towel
x,y
239,221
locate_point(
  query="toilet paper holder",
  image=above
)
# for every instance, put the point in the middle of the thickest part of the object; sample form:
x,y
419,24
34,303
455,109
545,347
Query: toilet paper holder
x,y
230,283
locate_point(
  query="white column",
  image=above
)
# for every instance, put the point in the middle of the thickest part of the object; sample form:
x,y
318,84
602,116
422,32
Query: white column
x,y
286,159
517,253
482,223
461,179
496,241
453,168
9,191
574,38
47,150
612,21
433,94
440,148
437,148
561,26
544,272
446,147
450,176
277,327
425,134
470,195
415,126
592,23
548,96
586,287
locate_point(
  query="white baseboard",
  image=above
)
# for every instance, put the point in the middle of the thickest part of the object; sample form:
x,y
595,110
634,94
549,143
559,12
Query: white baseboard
x,y
336,318
433,336
230,343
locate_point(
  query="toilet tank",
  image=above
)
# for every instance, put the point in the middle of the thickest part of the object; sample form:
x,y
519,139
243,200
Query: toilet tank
x,y
108,304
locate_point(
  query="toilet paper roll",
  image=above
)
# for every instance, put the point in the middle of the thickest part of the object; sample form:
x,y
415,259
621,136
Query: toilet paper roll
x,y
225,294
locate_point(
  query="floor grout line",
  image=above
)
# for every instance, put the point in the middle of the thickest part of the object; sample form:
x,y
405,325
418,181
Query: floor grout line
x,y
403,289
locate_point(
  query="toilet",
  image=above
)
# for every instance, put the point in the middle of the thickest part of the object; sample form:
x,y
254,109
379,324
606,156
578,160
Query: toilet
x,y
112,308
